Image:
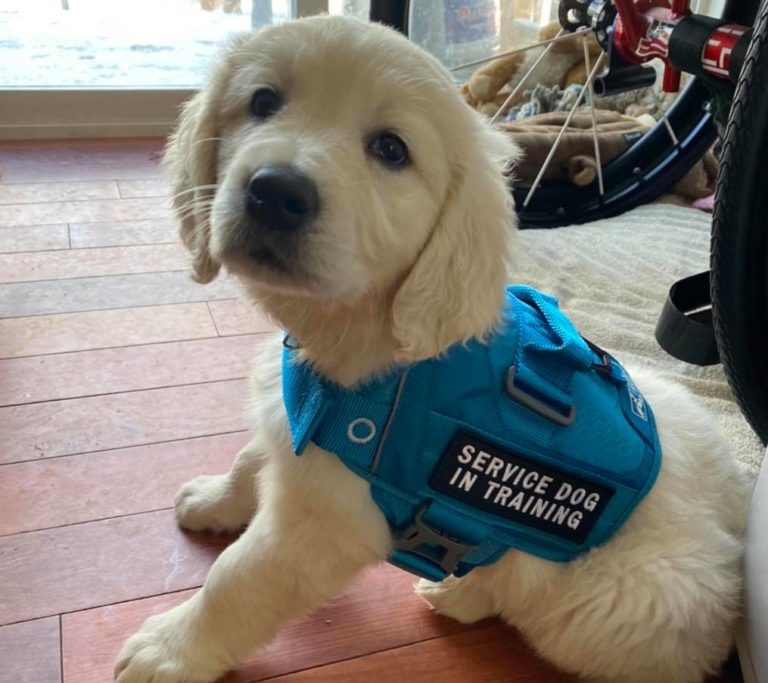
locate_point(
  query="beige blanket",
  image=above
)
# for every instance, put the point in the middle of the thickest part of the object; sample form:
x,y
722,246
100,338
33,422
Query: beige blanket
x,y
612,278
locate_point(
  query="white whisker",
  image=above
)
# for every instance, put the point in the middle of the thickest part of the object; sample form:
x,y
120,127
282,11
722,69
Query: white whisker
x,y
197,188
202,140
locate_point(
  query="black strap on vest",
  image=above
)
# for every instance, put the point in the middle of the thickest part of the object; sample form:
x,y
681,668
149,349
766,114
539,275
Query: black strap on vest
x,y
685,329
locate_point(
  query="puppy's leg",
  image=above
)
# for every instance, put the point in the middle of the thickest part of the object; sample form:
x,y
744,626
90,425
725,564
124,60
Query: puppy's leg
x,y
462,599
222,502
314,530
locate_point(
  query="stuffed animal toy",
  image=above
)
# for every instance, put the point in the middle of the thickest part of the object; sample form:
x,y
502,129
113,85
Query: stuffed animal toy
x,y
489,86
575,160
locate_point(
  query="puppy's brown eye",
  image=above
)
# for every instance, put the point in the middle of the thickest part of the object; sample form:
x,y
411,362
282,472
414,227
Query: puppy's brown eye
x,y
265,103
390,149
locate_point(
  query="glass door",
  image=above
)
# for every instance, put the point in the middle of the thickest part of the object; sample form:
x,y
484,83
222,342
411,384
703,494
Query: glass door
x,y
94,68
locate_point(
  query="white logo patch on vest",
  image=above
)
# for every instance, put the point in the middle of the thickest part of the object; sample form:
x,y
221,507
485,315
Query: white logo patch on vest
x,y
494,480
636,401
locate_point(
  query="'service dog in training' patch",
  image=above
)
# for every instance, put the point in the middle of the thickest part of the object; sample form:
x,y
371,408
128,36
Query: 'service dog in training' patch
x,y
508,485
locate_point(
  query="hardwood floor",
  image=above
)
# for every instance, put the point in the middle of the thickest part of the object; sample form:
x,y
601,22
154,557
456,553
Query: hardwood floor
x,y
120,378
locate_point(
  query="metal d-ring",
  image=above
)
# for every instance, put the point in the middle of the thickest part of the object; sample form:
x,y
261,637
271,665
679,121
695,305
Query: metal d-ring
x,y
354,438
290,343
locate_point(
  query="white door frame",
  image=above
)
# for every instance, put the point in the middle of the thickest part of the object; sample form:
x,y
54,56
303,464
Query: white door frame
x,y
99,113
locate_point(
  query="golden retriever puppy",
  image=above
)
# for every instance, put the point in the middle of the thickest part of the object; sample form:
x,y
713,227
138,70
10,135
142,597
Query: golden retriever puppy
x,y
334,169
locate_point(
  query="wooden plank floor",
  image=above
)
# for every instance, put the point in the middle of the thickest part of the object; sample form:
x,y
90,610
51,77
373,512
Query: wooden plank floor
x,y
120,378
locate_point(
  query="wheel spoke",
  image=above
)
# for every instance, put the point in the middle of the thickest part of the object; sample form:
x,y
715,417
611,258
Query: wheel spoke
x,y
670,130
525,78
591,88
485,60
567,123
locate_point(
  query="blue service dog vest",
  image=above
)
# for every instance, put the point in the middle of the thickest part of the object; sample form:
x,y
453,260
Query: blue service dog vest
x,y
536,440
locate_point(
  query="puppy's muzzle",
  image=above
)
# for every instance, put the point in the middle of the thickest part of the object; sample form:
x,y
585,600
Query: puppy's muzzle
x,y
280,198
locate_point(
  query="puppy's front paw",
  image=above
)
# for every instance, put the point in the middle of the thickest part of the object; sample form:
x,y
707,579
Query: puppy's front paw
x,y
164,651
211,503
452,598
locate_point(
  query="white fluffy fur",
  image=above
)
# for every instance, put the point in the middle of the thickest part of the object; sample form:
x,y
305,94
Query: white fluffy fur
x,y
399,265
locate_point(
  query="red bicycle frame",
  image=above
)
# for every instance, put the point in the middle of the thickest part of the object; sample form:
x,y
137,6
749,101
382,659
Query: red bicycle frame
x,y
643,31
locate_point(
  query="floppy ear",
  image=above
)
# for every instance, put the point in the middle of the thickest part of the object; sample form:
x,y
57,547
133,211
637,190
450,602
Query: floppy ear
x,y
455,289
190,163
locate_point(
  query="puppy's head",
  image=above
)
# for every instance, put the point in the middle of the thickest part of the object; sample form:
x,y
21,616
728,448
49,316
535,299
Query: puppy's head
x,y
331,159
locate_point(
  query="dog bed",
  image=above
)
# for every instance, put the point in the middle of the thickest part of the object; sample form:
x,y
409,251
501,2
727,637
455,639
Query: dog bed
x,y
612,278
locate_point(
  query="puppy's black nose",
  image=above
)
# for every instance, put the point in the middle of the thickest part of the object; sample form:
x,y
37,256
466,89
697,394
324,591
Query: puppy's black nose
x,y
281,198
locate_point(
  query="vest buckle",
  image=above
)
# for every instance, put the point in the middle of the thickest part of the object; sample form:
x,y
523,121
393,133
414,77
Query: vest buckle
x,y
604,366
427,543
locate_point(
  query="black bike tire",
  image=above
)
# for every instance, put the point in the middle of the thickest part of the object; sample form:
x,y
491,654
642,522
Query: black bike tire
x,y
739,261
646,170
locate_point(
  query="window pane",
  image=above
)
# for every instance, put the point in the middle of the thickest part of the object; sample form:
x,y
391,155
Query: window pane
x,y
127,43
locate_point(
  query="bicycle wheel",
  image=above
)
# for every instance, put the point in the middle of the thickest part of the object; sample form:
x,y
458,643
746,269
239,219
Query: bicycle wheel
x,y
740,238
649,168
